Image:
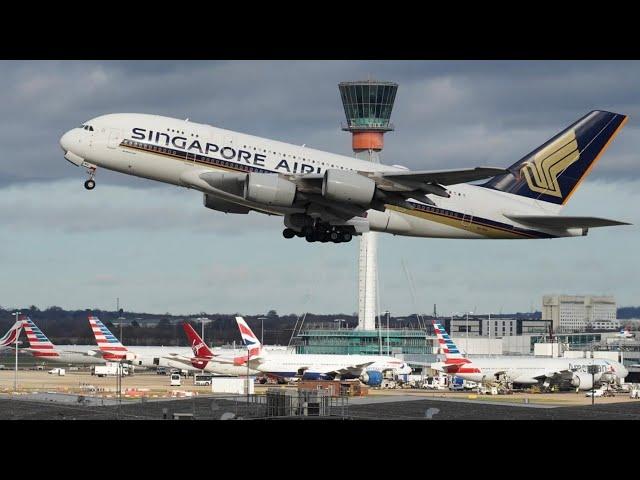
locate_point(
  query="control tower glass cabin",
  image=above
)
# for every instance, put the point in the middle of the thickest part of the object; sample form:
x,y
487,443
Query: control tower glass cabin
x,y
367,106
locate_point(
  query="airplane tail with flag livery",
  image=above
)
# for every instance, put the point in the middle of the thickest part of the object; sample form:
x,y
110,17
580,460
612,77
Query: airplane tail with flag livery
x,y
108,344
249,340
552,172
11,336
39,344
448,347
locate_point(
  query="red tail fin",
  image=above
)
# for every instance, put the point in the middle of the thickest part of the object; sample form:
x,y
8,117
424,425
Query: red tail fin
x,y
199,348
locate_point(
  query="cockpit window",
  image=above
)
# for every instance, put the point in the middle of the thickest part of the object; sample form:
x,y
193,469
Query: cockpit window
x,y
87,127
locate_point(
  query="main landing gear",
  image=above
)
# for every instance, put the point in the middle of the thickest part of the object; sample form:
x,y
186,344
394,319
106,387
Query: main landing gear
x,y
320,233
91,183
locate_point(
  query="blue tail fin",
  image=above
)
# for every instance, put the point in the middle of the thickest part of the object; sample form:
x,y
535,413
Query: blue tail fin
x,y
553,171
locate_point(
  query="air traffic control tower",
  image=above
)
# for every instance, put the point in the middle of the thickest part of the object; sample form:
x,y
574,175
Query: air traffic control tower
x,y
367,106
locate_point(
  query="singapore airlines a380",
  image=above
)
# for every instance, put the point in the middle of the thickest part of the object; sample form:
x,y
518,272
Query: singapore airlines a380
x,y
327,197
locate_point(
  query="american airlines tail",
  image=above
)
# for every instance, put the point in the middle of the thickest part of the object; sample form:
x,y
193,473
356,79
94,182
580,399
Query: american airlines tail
x,y
39,344
454,361
12,335
449,348
109,345
552,172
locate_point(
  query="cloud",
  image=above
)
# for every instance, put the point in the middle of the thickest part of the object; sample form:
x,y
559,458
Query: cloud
x,y
446,112
160,248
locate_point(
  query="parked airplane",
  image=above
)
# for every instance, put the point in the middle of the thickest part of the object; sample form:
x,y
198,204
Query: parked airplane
x,y
312,367
625,333
327,197
9,339
204,359
42,348
110,348
524,370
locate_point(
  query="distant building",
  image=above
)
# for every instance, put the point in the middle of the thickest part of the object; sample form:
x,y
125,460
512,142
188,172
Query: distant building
x,y
577,313
496,327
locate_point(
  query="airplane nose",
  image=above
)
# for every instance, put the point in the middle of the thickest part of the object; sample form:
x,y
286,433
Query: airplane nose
x,y
65,141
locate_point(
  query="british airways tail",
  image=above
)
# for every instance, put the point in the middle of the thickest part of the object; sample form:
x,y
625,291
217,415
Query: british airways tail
x,y
11,336
249,340
39,344
108,344
553,171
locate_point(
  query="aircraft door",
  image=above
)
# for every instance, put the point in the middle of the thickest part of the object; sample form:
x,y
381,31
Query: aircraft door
x,y
467,218
114,138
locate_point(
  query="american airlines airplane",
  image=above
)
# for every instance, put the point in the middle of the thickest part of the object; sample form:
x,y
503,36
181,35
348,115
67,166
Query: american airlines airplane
x,y
524,370
42,348
11,336
314,367
329,198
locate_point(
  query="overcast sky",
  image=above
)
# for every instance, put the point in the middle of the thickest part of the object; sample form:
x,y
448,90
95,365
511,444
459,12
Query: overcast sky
x,y
157,248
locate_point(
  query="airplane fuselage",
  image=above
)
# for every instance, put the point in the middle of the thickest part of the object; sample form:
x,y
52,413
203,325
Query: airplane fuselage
x,y
525,370
315,365
171,151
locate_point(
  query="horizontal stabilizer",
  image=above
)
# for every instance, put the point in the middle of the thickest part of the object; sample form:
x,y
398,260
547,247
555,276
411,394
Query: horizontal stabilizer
x,y
556,221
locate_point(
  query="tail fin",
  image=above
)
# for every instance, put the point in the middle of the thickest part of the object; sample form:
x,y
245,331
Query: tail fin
x,y
451,352
12,335
107,342
199,348
553,171
248,339
39,344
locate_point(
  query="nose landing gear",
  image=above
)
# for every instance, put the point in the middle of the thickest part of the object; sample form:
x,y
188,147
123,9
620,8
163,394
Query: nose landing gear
x,y
91,183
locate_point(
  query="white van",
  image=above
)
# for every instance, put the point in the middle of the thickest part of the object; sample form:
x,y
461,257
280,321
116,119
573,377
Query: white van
x,y
175,380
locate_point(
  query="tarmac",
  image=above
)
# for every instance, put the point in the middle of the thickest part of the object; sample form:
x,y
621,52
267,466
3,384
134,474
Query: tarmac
x,y
148,396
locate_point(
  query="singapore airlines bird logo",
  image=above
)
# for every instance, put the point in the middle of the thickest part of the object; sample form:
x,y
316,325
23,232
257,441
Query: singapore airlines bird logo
x,y
543,170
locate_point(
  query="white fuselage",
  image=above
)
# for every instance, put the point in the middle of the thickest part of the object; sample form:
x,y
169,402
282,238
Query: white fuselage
x,y
147,357
170,150
525,370
316,365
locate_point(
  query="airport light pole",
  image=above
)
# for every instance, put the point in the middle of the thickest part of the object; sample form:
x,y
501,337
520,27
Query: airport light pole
x,y
15,377
388,347
592,369
262,319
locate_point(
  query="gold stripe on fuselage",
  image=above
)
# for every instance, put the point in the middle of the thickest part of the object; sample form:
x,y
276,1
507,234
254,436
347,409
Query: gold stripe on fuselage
x,y
474,227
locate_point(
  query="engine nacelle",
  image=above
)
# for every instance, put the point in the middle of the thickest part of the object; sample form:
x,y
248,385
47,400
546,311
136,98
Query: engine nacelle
x,y
269,189
216,203
348,187
228,182
373,378
582,381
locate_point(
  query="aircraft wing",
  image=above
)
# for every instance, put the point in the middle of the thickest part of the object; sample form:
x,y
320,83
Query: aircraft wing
x,y
350,369
415,180
559,221
404,181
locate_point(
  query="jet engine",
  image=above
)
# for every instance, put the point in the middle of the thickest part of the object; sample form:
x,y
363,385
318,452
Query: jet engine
x,y
373,378
269,189
347,187
216,203
582,381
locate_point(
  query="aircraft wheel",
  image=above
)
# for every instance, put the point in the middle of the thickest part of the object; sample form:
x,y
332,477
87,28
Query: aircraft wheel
x,y
334,236
90,184
346,237
310,238
288,233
